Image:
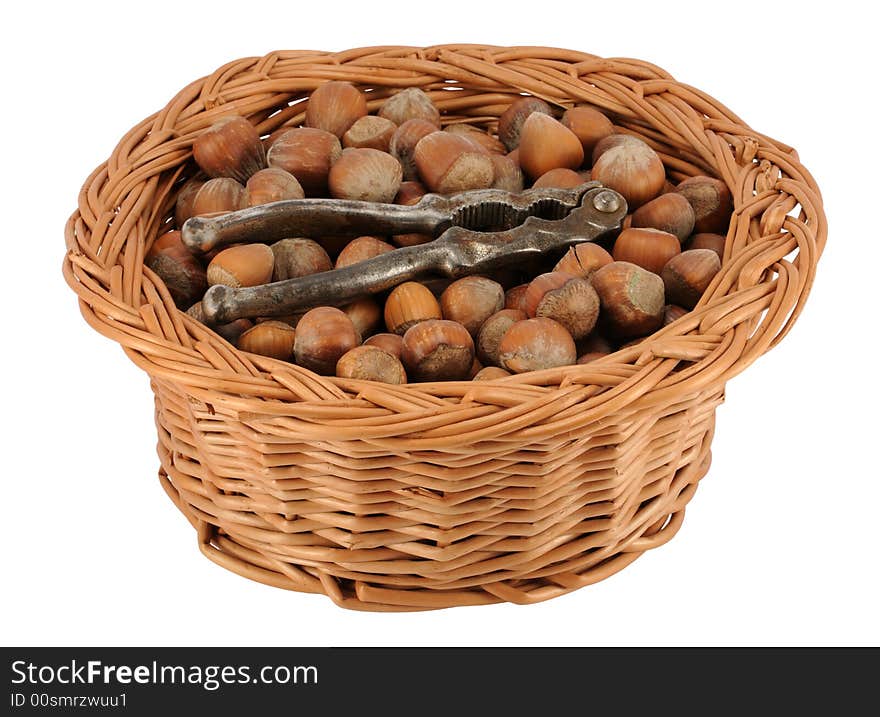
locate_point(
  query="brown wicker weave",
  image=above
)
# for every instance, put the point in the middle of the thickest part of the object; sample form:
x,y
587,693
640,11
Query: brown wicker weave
x,y
434,495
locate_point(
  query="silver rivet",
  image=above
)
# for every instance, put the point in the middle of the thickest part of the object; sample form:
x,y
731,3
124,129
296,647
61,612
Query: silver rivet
x,y
606,201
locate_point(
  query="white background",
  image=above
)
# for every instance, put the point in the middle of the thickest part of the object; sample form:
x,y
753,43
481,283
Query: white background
x,y
780,544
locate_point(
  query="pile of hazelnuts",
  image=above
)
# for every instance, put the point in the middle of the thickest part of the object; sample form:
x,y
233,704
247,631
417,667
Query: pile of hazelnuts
x,y
555,311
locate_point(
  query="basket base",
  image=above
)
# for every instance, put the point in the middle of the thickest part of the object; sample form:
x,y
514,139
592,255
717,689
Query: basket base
x,y
588,567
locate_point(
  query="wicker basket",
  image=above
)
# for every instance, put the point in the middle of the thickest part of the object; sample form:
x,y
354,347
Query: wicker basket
x,y
434,495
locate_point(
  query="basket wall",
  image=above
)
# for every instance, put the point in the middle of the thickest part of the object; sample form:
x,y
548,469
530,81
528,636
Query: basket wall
x,y
456,493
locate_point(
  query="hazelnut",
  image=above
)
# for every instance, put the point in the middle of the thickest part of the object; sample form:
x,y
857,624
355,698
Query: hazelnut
x,y
366,175
391,343
448,163
594,343
669,213
370,132
323,336
298,257
411,103
508,175
370,363
546,144
649,248
242,265
493,330
707,240
182,273
513,298
588,125
583,259
631,299
271,185
270,338
711,201
407,305
633,169
511,120
334,107
687,276
491,144
489,373
361,249
437,350
270,140
307,153
218,196
365,314
183,207
614,140
568,300
536,344
671,313
410,193
231,147
475,368
471,300
403,144
560,177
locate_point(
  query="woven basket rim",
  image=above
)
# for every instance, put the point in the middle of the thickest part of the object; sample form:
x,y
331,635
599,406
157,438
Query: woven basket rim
x,y
749,307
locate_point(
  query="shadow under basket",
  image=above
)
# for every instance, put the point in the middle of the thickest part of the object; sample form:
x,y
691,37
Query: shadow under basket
x,y
457,493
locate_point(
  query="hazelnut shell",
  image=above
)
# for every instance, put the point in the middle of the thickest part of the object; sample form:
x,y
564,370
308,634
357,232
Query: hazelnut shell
x,y
408,304
546,144
589,125
633,169
271,185
371,363
687,276
492,331
449,163
335,106
649,248
511,120
437,350
408,104
269,338
297,257
366,175
370,132
471,300
670,212
323,335
242,265
307,153
536,344
183,274
631,299
231,147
